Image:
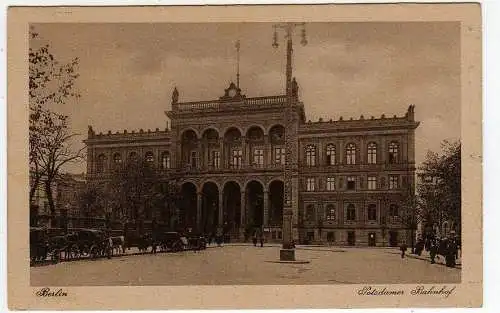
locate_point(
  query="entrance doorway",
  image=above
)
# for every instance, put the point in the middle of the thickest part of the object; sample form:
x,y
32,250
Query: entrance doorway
x,y
351,238
372,242
393,238
255,204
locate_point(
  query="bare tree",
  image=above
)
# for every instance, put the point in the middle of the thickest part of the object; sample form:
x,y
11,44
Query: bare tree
x,y
50,139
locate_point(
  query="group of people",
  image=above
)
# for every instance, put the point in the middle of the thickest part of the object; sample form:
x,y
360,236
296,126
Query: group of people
x,y
446,247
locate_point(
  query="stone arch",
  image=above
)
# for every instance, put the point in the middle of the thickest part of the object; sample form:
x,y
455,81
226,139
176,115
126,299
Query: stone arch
x,y
276,129
258,180
230,180
230,129
190,129
209,180
208,130
260,128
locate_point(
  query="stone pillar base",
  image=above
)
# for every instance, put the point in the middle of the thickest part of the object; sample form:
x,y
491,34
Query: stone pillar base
x,y
287,254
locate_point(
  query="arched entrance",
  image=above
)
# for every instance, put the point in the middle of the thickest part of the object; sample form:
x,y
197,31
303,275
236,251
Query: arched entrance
x,y
232,205
209,207
188,206
255,204
210,148
276,196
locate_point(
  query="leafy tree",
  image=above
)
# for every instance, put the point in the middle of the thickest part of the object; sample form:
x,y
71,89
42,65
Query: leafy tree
x,y
50,83
440,185
92,200
136,192
410,215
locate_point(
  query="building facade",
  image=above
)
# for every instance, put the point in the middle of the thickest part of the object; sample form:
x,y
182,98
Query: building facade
x,y
228,156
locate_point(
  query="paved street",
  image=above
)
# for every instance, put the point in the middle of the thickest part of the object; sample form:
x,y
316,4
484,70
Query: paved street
x,y
249,265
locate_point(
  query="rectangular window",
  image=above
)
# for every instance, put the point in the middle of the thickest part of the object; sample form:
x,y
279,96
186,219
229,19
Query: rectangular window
x,y
258,157
193,159
310,184
330,183
393,182
216,159
237,156
351,183
279,155
372,212
372,182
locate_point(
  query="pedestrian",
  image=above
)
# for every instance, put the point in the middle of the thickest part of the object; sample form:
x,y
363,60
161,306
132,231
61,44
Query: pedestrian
x,y
403,249
261,240
254,239
433,251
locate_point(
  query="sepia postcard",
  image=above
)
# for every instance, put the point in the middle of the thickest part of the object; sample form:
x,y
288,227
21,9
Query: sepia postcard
x,y
245,157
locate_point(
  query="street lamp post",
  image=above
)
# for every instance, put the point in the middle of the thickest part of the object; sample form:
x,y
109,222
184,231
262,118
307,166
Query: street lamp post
x,y
287,253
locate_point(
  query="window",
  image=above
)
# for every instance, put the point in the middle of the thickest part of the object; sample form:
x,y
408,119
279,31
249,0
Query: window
x,y
279,155
310,184
311,155
165,160
351,212
330,236
330,154
237,155
393,182
194,159
258,157
149,157
330,212
133,156
117,159
372,212
351,183
310,213
351,153
372,153
101,163
372,182
216,159
330,183
393,210
393,152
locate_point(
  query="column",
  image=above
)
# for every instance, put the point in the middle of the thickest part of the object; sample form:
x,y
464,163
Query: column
x,y
245,151
268,151
223,158
266,208
221,209
198,210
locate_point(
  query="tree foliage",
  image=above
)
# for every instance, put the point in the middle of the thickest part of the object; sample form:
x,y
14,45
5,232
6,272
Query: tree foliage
x,y
50,83
440,185
136,192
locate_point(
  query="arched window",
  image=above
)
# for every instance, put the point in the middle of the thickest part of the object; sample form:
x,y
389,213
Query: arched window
x,y
372,153
311,155
393,152
149,156
310,213
393,210
165,160
101,163
330,154
330,212
350,153
117,159
372,212
351,212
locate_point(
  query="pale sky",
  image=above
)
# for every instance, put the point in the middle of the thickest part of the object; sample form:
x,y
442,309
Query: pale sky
x,y
128,71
